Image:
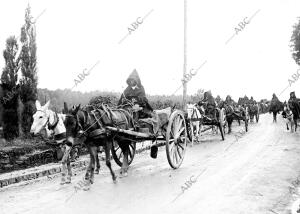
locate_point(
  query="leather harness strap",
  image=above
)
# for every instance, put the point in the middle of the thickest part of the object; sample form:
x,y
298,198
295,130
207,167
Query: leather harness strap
x,y
52,127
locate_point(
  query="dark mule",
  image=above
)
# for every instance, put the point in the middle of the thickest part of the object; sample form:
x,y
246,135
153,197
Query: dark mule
x,y
253,111
88,124
232,114
82,126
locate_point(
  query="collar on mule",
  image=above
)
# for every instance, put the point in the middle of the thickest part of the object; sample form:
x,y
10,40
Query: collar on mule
x,y
52,127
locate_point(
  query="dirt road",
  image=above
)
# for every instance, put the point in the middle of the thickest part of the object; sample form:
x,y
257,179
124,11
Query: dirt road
x,y
253,172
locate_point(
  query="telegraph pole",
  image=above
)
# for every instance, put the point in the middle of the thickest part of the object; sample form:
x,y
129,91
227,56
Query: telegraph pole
x,y
184,57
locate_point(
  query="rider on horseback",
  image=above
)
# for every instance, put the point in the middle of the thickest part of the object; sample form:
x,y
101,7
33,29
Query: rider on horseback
x,y
135,93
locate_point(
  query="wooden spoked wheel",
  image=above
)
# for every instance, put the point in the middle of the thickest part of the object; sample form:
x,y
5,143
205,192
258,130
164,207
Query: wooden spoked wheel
x,y
222,122
176,139
117,153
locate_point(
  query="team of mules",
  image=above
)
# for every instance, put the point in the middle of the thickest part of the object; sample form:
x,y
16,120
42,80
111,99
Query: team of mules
x,y
106,127
82,126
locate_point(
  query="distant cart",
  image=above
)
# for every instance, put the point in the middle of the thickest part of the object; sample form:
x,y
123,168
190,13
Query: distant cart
x,y
219,122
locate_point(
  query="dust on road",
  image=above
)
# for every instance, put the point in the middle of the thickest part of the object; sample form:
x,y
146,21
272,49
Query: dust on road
x,y
253,173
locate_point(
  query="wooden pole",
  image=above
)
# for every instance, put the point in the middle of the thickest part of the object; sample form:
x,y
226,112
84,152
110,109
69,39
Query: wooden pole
x,y
184,58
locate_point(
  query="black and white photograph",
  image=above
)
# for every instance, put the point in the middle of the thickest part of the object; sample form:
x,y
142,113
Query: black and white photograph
x,y
142,107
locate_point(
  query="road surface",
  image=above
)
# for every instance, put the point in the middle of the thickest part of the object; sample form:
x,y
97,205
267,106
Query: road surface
x,y
253,172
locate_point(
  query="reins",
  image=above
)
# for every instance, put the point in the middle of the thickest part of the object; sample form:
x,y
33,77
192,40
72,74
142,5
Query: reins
x,y
52,127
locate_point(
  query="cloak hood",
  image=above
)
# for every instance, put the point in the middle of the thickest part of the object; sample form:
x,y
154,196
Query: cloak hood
x,y
292,94
135,76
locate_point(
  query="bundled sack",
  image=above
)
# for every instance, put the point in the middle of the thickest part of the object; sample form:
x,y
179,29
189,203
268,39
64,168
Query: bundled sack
x,y
158,120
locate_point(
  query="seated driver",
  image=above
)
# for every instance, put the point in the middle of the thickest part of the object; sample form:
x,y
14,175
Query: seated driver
x,y
210,104
135,93
251,101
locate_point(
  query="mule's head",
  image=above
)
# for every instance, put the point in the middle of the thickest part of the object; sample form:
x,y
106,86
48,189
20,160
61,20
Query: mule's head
x,y
40,118
72,123
190,109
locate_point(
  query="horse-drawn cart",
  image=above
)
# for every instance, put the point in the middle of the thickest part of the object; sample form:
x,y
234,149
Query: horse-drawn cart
x,y
199,120
238,114
172,133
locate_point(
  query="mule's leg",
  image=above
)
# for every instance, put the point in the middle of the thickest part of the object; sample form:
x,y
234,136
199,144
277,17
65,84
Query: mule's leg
x,y
200,129
97,164
192,133
69,170
229,121
107,159
89,171
64,164
197,131
125,150
94,152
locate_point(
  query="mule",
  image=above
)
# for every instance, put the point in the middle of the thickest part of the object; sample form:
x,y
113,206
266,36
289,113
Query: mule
x,y
233,114
294,113
195,126
289,118
253,111
87,125
44,118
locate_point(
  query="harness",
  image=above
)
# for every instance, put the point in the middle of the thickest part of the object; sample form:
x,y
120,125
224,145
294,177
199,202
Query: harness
x,y
80,131
194,113
53,126
59,138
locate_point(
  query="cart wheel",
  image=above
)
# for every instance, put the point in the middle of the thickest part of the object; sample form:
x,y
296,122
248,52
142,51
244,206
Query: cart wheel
x,y
117,153
246,119
222,123
257,118
176,139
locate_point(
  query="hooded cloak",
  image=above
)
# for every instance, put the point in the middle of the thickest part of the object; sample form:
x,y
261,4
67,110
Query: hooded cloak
x,y
137,92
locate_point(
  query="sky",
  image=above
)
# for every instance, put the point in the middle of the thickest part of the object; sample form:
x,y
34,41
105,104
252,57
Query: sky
x,y
76,35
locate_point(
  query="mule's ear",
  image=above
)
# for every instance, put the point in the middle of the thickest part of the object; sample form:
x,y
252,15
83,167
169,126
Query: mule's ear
x,y
46,106
66,110
77,108
38,105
